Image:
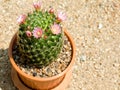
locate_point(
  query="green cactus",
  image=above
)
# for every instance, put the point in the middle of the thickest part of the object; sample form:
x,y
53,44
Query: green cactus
x,y
42,49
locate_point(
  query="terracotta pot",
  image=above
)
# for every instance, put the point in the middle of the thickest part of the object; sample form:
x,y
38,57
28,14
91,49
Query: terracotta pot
x,y
41,83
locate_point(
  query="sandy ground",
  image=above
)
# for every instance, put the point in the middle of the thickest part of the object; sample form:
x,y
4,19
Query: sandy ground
x,y
95,27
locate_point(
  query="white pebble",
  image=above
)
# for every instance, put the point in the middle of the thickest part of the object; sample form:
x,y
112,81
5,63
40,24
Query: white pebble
x,y
83,57
100,26
96,40
75,67
74,76
3,11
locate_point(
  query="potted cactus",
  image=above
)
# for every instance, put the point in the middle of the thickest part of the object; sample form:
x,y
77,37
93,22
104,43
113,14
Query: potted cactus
x,y
39,42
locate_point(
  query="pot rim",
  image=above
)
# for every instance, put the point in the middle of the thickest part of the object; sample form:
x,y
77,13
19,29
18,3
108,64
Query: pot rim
x,y
46,78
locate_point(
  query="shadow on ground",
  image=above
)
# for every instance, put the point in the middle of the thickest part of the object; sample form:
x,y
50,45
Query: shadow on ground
x,y
5,71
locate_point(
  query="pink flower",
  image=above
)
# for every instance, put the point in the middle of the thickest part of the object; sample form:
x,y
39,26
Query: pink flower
x,y
37,5
21,19
28,33
37,32
55,29
61,16
51,10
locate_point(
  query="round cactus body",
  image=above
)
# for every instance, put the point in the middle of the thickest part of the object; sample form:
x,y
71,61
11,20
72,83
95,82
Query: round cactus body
x,y
40,38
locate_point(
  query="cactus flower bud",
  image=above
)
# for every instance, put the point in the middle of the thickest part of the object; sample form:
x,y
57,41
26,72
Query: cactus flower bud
x,y
51,10
37,32
55,29
28,33
61,16
37,5
21,19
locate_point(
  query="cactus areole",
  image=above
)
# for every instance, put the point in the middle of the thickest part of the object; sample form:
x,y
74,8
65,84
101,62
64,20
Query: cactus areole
x,y
40,36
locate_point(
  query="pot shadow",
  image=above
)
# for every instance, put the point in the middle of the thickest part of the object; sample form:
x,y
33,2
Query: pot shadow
x,y
5,71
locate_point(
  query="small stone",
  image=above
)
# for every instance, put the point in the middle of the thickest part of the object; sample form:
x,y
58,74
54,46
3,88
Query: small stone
x,y
115,64
65,42
100,26
96,40
74,76
17,57
40,74
23,69
57,71
82,57
38,70
67,52
63,66
34,74
10,27
31,70
58,59
49,72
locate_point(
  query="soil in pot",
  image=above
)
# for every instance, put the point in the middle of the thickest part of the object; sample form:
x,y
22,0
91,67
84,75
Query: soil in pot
x,y
52,69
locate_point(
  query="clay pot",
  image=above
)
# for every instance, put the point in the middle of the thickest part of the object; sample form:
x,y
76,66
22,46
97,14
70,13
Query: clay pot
x,y
41,83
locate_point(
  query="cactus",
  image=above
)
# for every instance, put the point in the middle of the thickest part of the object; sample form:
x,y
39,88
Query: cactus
x,y
40,36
